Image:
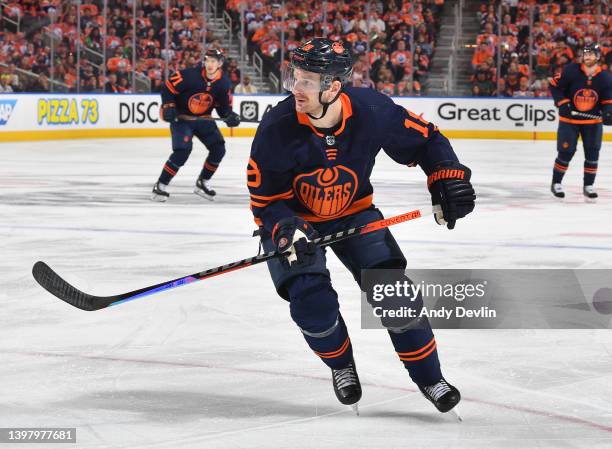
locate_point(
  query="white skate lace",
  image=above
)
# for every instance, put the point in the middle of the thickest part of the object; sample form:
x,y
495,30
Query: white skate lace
x,y
204,184
438,390
345,376
589,189
558,187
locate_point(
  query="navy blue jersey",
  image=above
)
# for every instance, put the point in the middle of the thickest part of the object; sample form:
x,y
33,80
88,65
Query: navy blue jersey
x,y
194,94
294,169
589,94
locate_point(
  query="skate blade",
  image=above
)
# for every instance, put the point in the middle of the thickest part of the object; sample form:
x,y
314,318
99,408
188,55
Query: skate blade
x,y
590,200
203,194
159,198
355,408
456,414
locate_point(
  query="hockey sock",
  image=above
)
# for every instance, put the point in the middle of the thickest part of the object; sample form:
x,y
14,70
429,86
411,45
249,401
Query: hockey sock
x,y
416,349
333,346
559,170
169,171
209,169
590,171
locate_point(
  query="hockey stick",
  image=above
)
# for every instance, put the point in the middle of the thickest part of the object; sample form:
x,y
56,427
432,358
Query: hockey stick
x,y
57,286
584,115
195,118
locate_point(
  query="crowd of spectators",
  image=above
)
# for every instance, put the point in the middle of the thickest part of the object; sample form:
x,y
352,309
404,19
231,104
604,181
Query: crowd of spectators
x,y
48,29
551,32
392,42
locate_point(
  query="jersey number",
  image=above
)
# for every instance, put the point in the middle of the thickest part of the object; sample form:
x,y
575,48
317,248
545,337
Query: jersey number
x,y
176,79
253,174
417,123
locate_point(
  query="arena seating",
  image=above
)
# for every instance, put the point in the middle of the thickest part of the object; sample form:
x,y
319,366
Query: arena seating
x,y
392,69
558,31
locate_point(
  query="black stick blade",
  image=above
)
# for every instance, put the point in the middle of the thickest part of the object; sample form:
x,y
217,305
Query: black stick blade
x,y
54,284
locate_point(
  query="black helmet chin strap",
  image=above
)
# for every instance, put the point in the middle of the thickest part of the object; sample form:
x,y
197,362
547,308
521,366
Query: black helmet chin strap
x,y
325,105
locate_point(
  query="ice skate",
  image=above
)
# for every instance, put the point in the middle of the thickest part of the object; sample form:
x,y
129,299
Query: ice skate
x,y
203,189
347,386
590,194
442,395
159,192
557,189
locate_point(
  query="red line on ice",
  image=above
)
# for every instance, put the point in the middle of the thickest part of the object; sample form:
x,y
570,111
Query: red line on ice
x,y
557,416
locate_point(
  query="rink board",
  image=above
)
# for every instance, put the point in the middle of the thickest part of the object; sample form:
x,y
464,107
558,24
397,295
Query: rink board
x,y
82,116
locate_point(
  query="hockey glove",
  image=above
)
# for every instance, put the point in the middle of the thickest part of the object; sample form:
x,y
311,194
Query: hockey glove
x,y
294,235
451,189
606,114
232,120
168,111
565,110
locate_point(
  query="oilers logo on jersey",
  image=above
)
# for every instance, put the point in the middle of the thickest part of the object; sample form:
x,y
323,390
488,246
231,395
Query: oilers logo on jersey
x,y
326,192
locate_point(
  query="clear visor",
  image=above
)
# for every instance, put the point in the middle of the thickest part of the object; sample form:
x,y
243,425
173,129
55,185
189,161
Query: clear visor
x,y
298,80
209,59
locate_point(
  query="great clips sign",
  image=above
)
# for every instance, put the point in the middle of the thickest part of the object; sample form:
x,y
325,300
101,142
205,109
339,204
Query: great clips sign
x,y
508,114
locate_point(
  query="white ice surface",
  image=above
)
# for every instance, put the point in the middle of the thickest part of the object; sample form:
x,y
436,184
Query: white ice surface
x,y
219,364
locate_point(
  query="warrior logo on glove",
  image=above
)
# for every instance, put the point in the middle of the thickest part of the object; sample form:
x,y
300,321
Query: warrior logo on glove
x,y
450,188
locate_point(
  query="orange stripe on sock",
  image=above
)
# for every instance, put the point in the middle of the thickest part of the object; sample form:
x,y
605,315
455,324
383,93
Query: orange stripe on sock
x,y
337,353
424,348
169,170
560,167
422,356
207,166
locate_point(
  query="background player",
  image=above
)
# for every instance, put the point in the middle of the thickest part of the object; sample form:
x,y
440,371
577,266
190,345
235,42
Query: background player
x,y
196,91
581,88
309,172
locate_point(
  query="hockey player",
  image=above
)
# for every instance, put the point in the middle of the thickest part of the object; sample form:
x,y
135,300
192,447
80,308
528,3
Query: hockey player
x,y
195,92
581,90
308,174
